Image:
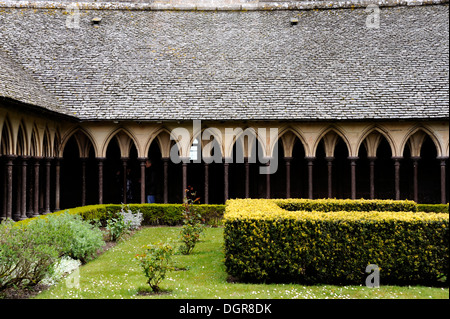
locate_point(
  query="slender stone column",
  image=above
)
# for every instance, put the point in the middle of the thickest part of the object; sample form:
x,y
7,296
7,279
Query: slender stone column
x,y
57,184
100,161
23,197
443,178
166,179
310,176
206,168
124,165
247,177
5,190
83,181
225,179
47,185
268,180
142,165
287,162
36,185
329,160
415,160
184,173
372,176
30,189
397,176
9,185
353,176
17,172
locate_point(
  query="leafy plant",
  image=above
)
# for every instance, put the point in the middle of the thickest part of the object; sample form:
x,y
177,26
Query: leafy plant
x,y
25,258
125,221
192,223
155,262
70,234
116,227
132,220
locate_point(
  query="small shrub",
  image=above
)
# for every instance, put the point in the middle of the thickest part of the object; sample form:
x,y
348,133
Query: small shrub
x,y
123,223
192,223
155,263
26,257
116,227
132,220
69,234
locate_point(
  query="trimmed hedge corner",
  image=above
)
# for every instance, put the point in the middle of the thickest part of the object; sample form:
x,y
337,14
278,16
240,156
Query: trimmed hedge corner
x,y
265,243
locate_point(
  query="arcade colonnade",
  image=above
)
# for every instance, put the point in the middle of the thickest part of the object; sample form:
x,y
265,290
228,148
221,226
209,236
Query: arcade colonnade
x,y
48,164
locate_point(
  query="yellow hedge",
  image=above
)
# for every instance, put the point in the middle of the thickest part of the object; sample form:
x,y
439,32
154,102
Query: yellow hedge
x,y
264,242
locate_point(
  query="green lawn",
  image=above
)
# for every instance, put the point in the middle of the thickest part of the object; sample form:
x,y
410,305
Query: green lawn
x,y
115,274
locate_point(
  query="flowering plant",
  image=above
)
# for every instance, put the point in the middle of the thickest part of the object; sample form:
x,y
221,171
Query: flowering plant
x,y
193,223
155,262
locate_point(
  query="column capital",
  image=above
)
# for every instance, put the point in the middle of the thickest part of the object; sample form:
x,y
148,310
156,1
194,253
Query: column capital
x,y
442,158
227,159
329,158
310,158
372,158
100,159
9,157
288,158
353,158
397,158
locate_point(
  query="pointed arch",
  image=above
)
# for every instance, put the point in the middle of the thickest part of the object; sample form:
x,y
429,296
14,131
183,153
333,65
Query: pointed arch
x,y
375,129
162,137
57,150
46,144
6,142
425,130
21,144
332,129
34,142
210,144
77,130
288,135
125,139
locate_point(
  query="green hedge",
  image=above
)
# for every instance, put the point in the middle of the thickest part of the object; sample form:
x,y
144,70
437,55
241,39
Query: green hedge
x,y
265,243
154,214
433,208
334,205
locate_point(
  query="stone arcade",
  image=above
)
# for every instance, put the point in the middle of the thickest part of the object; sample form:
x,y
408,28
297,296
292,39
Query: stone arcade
x,y
359,112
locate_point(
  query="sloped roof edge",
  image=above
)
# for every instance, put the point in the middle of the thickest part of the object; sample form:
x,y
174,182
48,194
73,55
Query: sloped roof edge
x,y
219,5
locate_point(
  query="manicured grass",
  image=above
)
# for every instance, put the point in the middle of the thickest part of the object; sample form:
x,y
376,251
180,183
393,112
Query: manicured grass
x,y
115,274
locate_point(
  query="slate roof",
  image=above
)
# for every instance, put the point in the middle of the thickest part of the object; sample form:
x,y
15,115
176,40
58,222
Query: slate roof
x,y
218,65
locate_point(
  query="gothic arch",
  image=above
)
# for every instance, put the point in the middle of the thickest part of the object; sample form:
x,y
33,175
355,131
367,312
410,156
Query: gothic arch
x,y
162,137
21,141
377,130
428,132
287,135
46,144
125,139
6,141
338,132
74,131
246,145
